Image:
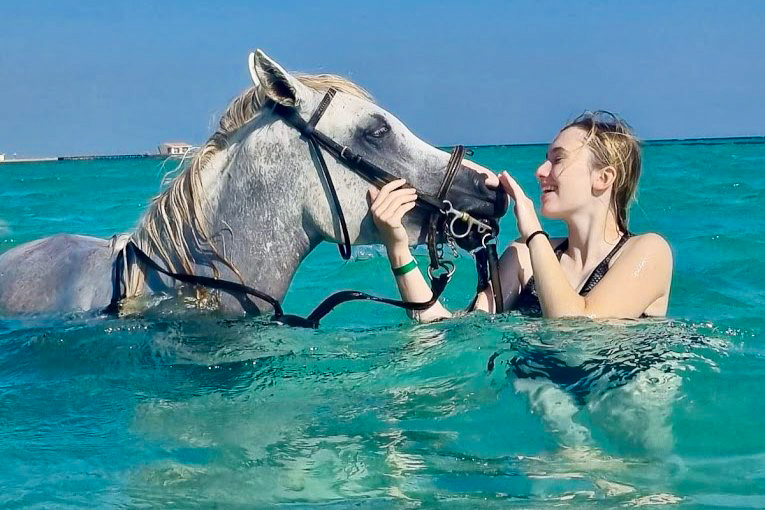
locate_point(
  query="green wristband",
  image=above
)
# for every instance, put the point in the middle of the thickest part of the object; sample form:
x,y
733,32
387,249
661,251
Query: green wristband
x,y
398,271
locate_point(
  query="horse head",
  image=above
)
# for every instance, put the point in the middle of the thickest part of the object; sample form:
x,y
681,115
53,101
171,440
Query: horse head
x,y
354,121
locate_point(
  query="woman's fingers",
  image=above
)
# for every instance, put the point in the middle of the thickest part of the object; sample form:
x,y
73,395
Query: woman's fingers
x,y
506,181
394,200
511,186
392,216
390,203
398,215
491,179
385,191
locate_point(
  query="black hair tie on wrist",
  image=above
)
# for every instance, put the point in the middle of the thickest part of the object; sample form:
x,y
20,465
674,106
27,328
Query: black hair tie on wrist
x,y
531,236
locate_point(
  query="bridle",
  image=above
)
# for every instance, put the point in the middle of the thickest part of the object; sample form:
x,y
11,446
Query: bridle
x,y
458,227
439,207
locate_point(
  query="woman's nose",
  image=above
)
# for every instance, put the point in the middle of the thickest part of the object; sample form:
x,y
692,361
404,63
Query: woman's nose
x,y
544,170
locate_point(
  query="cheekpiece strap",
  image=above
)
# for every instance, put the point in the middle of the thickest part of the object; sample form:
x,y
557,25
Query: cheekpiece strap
x,y
454,164
310,127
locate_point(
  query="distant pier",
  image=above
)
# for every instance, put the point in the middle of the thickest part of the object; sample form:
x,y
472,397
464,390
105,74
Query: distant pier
x,y
164,151
115,156
83,158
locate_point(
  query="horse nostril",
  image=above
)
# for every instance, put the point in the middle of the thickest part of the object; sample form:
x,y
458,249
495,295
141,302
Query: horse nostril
x,y
479,182
485,188
471,193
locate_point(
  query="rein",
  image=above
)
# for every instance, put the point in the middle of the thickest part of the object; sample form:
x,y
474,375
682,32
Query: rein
x,y
443,218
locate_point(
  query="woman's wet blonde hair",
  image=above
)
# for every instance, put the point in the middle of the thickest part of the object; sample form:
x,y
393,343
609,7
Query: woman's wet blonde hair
x,y
612,142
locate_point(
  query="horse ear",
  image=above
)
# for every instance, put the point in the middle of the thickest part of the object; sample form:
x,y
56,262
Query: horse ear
x,y
279,85
253,73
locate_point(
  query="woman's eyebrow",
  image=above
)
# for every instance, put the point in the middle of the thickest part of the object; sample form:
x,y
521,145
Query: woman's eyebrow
x,y
556,151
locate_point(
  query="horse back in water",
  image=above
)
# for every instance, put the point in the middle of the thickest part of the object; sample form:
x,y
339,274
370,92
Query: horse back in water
x,y
63,272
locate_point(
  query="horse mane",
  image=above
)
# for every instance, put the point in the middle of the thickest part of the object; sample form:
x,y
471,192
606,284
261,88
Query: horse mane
x,y
181,208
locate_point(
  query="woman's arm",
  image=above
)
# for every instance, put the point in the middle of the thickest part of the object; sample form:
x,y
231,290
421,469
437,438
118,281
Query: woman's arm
x,y
413,287
389,205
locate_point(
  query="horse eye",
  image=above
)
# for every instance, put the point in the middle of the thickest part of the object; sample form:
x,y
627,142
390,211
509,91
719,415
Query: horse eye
x,y
378,132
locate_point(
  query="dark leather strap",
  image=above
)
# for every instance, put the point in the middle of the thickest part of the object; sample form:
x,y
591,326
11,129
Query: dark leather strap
x,y
310,126
482,271
432,240
496,282
437,287
134,251
345,242
365,169
312,321
455,162
487,267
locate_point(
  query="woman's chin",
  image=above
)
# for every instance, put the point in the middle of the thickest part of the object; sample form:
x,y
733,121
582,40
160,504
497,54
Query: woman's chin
x,y
548,212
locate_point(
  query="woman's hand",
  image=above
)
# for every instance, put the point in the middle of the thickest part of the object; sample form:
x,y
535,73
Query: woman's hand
x,y
389,205
525,214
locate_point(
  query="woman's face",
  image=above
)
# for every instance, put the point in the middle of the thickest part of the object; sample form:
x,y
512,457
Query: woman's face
x,y
565,176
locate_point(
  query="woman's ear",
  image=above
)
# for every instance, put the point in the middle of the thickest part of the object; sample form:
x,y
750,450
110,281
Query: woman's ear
x,y
603,179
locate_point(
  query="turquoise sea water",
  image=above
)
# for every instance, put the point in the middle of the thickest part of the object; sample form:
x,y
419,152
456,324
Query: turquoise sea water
x,y
374,411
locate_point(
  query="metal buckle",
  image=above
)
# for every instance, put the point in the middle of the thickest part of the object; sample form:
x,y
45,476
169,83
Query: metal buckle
x,y
457,215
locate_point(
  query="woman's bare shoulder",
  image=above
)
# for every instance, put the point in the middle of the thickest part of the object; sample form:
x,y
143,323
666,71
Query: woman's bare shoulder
x,y
649,243
644,251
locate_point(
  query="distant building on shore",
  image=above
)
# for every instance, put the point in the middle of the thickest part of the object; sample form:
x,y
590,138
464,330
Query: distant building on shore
x,y
174,148
2,156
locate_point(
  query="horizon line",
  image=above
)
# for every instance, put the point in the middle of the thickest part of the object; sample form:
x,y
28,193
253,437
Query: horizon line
x,y
714,140
744,140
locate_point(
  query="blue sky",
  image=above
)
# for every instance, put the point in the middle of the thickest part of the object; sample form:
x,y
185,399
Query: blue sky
x,y
97,77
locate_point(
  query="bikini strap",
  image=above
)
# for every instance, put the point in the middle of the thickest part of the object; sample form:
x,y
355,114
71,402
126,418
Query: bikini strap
x,y
601,269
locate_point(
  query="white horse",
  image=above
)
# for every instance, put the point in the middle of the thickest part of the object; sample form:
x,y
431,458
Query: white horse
x,y
250,206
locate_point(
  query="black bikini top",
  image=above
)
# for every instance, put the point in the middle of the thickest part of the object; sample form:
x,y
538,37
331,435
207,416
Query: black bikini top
x,y
528,300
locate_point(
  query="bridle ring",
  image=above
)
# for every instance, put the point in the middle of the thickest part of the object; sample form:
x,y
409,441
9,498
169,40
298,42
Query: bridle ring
x,y
443,264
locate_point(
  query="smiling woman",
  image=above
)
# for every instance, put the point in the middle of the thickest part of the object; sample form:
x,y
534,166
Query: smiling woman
x,y
588,180
601,269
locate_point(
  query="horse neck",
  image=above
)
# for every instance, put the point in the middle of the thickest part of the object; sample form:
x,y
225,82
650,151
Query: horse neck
x,y
255,210
260,209
265,208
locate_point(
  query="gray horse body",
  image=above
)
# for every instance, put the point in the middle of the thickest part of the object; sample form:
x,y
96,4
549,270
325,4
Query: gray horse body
x,y
265,200
61,273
